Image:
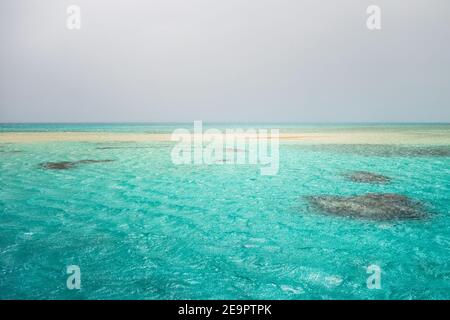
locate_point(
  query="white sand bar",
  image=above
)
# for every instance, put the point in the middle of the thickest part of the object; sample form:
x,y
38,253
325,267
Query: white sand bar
x,y
374,136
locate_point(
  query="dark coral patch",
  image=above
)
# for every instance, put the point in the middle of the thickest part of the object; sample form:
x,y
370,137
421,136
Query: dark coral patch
x,y
65,165
367,177
373,206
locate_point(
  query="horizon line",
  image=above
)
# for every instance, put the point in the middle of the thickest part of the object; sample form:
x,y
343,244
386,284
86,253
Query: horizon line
x,y
223,122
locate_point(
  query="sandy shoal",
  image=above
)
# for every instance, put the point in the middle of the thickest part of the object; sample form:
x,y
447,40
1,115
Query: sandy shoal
x,y
362,137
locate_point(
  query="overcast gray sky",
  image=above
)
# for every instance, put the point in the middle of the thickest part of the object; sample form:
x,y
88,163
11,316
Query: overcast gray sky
x,y
224,60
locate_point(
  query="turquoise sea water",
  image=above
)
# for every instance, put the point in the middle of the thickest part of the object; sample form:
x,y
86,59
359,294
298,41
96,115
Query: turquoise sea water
x,y
140,227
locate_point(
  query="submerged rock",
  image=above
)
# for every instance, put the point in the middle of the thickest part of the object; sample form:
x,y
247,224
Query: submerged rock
x,y
64,165
367,177
373,206
58,165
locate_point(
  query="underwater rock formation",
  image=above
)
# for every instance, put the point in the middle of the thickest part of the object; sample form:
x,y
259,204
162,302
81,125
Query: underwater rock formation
x,y
367,177
373,206
58,165
64,165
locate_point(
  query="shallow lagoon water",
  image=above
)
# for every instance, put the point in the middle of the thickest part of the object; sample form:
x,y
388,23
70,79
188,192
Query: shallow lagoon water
x,y
140,227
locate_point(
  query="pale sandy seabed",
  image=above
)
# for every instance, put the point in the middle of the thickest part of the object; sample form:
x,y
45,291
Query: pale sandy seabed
x,y
437,137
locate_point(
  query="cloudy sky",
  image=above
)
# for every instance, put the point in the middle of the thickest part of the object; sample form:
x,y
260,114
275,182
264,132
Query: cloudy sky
x,y
224,60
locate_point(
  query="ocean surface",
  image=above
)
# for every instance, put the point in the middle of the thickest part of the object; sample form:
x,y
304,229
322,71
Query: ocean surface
x,y
140,227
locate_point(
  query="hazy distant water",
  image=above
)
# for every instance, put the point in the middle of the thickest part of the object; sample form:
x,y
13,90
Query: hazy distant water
x,y
169,127
141,227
